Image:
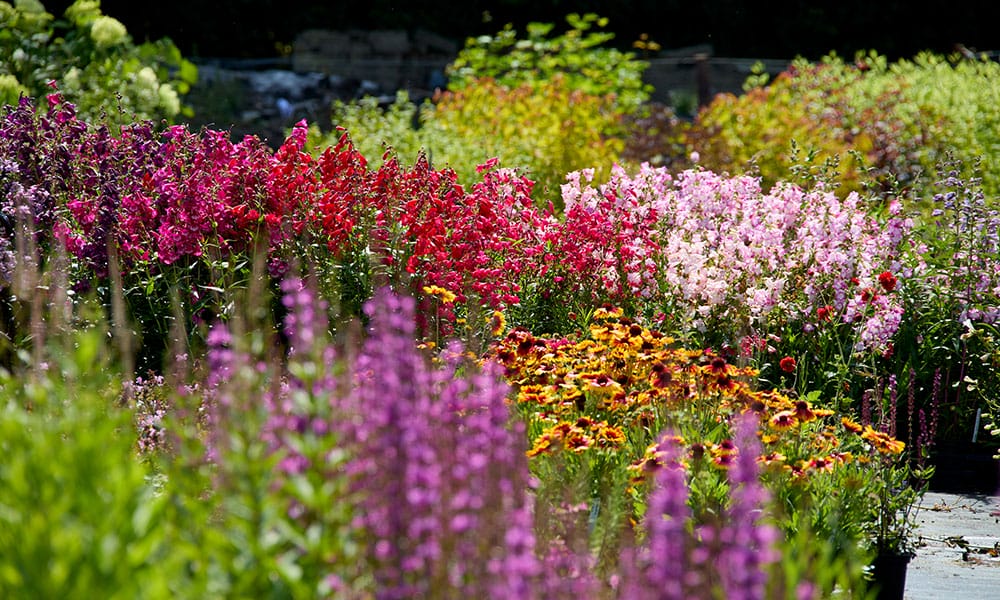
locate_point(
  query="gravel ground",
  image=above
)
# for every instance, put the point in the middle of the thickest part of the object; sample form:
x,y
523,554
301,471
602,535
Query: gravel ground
x,y
958,557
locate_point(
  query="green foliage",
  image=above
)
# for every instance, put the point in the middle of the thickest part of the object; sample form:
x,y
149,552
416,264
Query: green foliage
x,y
79,515
547,130
546,104
806,110
579,55
965,95
240,528
92,60
373,129
898,120
201,513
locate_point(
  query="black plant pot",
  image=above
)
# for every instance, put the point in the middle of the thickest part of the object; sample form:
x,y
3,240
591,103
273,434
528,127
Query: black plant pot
x,y
889,575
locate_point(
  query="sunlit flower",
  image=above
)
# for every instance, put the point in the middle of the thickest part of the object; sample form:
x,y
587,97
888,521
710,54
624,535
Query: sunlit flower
x,y
783,420
724,461
882,442
769,438
717,367
803,412
542,445
774,458
723,454
842,457
851,425
574,397
787,364
610,437
824,313
498,323
577,441
820,464
660,375
445,296
605,312
601,384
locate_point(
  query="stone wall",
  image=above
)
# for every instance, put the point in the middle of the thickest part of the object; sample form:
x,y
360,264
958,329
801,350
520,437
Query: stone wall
x,y
268,97
397,59
391,59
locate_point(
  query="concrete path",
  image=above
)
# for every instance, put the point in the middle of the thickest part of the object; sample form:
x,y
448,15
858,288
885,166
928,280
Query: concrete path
x,y
959,553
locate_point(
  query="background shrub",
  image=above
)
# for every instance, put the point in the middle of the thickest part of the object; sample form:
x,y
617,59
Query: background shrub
x,y
895,120
545,105
580,56
92,60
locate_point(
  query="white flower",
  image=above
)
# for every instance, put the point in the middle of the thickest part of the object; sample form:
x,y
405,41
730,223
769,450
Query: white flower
x,y
108,31
169,100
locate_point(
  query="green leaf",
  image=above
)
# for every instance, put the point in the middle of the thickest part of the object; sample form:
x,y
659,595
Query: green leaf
x,y
188,73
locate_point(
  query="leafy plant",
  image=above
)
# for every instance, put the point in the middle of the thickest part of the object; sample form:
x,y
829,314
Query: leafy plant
x,y
594,402
91,58
895,120
578,55
79,515
546,130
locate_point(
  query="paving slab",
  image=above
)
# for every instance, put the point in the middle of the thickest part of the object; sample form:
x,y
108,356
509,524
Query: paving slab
x,y
958,554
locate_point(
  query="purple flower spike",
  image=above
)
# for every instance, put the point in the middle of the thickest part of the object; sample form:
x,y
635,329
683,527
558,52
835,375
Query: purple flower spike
x,y
747,541
442,474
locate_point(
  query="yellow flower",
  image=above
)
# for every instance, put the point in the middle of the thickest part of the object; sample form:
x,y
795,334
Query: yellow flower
x,y
601,385
542,445
772,459
497,323
851,425
803,412
784,420
445,296
821,463
605,312
882,442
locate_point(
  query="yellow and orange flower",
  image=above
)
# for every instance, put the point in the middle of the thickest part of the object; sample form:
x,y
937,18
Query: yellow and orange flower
x,y
821,463
851,425
772,458
445,296
883,442
784,420
804,412
601,385
498,323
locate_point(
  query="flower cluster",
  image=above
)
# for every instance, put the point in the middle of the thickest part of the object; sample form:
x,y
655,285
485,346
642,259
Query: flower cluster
x,y
731,556
435,467
595,393
720,251
708,249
